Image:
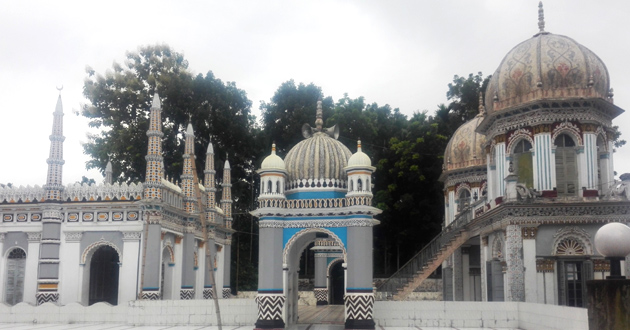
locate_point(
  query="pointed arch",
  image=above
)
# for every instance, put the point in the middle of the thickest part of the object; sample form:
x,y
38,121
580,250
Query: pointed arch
x,y
296,236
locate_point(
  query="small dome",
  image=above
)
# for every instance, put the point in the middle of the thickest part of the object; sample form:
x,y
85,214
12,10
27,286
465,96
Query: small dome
x,y
273,161
359,158
466,147
547,66
318,157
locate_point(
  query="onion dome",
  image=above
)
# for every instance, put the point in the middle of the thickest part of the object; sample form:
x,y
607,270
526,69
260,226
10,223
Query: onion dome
x,y
273,161
359,159
546,67
318,157
466,147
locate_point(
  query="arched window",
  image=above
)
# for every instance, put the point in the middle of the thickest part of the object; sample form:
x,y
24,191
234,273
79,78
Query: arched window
x,y
367,185
269,186
566,166
351,185
278,187
16,264
463,200
359,185
522,163
602,175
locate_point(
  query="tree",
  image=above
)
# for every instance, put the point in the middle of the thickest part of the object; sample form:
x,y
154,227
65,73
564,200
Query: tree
x,y
464,96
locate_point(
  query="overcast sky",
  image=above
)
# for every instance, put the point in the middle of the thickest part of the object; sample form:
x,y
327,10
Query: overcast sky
x,y
401,53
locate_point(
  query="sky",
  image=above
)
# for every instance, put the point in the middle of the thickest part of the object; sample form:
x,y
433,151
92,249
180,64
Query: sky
x,y
401,53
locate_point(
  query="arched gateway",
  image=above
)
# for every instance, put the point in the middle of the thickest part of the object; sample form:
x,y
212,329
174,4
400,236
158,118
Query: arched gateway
x,y
304,198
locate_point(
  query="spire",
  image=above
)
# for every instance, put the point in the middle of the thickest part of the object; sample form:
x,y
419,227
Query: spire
x,y
209,179
55,161
319,115
227,163
154,158
226,198
541,18
210,149
109,177
188,182
482,109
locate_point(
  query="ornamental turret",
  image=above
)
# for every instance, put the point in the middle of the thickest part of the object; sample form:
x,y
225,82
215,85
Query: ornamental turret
x,y
226,199
155,161
359,171
55,161
109,173
273,174
188,185
209,180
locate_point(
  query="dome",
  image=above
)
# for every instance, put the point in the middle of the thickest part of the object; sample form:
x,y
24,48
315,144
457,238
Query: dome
x,y
466,147
359,159
547,66
317,157
272,161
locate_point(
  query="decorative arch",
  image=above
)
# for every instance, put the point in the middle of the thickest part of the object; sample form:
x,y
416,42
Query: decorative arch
x,y
516,137
94,246
461,186
12,250
570,241
169,248
570,129
296,236
498,247
331,264
601,134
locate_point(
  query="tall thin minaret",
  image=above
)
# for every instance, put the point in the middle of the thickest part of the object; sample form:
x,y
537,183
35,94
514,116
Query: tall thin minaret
x,y
109,173
155,161
211,190
190,199
226,199
55,161
48,270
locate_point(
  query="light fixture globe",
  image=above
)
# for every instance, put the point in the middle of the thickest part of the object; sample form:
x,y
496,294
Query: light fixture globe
x,y
613,240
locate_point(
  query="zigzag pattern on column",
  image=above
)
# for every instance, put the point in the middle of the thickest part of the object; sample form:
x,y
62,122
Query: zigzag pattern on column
x,y
187,294
227,293
151,295
208,293
359,306
270,306
44,297
321,294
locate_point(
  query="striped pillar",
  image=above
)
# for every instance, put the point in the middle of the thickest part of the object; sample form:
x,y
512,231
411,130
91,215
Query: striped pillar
x,y
501,168
542,162
591,158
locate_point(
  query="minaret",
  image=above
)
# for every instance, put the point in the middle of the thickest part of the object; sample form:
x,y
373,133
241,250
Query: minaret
x,y
190,198
226,199
48,270
55,160
209,178
109,174
155,161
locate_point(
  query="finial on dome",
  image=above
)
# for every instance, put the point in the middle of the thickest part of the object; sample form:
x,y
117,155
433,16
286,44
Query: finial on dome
x,y
359,145
319,121
541,18
482,109
273,148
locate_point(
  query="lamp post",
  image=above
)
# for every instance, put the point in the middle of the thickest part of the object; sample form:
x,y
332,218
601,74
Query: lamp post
x,y
613,242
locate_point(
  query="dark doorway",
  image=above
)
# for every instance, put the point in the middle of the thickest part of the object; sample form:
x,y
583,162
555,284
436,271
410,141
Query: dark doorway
x,y
336,284
104,269
16,263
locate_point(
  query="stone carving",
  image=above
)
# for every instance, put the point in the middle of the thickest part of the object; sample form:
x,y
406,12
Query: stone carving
x,y
98,244
131,235
572,240
316,223
73,236
34,237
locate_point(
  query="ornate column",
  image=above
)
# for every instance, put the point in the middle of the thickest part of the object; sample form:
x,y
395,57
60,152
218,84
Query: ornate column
x,y
452,207
127,286
271,297
227,263
514,259
500,163
483,263
359,298
458,276
48,277
187,291
466,296
591,158
542,158
529,263
320,290
152,254
546,286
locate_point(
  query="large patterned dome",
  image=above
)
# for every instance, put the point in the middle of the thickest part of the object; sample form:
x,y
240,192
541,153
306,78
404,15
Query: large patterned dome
x,y
318,157
466,147
547,66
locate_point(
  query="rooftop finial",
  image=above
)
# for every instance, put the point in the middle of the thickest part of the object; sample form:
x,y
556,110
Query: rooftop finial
x,y
273,148
319,121
59,89
541,18
359,144
482,109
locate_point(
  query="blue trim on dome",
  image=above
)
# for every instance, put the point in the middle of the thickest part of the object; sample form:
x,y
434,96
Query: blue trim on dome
x,y
315,194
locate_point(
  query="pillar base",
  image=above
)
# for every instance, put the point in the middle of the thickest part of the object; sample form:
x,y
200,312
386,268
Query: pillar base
x,y
44,297
269,324
322,303
360,324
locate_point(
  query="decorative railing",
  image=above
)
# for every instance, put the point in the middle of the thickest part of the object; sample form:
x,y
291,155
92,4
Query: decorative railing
x,y
429,253
74,192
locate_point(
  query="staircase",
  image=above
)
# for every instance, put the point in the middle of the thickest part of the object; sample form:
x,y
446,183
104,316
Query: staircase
x,y
425,262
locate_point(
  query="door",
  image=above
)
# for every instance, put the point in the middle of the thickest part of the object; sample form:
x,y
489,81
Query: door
x,y
16,263
104,269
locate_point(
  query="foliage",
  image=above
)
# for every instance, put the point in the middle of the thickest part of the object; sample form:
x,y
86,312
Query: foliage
x,y
84,179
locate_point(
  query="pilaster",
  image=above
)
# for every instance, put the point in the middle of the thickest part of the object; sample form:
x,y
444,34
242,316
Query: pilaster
x,y
48,276
514,259
529,263
31,270
129,268
71,250
543,164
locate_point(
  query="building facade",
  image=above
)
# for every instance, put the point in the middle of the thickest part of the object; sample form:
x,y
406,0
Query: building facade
x,y
116,242
531,178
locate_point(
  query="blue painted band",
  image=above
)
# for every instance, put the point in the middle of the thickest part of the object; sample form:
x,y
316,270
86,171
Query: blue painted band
x,y
316,194
150,289
187,286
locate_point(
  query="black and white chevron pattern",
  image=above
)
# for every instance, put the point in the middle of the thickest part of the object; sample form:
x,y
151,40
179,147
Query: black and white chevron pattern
x,y
44,297
270,306
227,293
151,295
187,294
321,294
208,293
359,306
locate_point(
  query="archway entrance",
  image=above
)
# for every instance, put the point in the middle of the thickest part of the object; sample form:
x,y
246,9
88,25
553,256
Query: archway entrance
x,y
16,263
337,283
104,269
291,257
166,283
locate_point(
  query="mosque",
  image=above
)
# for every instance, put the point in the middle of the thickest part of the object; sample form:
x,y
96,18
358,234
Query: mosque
x,y
116,242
